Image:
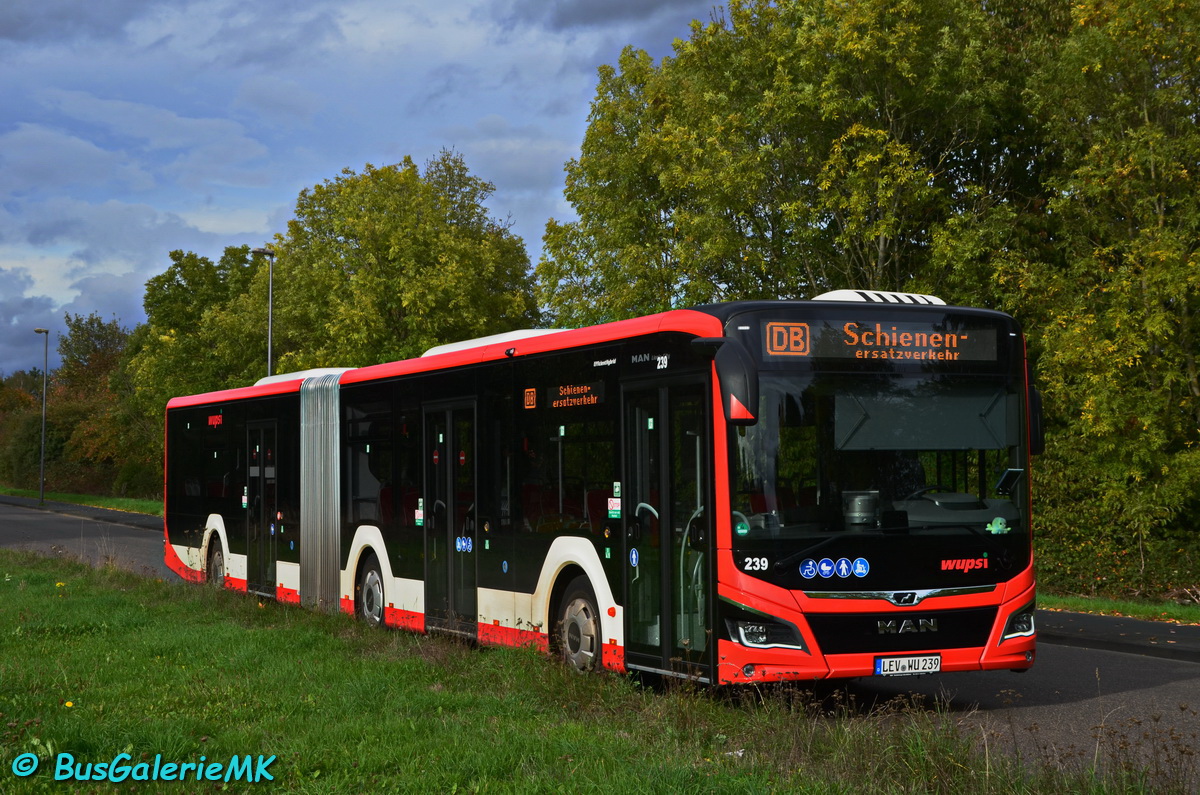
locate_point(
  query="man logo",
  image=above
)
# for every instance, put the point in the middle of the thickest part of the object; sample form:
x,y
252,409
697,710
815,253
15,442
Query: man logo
x,y
907,626
787,339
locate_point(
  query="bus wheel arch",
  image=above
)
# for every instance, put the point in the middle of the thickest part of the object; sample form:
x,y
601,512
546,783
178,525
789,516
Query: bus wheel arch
x,y
575,629
369,590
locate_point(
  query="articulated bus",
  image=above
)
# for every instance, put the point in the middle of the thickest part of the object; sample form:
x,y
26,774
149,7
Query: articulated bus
x,y
743,492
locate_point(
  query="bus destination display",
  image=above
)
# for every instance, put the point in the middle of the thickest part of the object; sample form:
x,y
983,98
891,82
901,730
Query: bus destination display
x,y
854,339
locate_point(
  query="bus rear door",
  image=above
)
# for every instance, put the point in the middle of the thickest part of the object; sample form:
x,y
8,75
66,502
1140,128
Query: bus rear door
x,y
262,508
450,513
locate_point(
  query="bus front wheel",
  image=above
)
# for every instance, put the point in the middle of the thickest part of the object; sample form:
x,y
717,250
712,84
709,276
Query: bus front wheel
x,y
579,627
370,593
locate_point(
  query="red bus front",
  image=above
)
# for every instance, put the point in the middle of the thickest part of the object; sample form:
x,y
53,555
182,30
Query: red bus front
x,y
879,516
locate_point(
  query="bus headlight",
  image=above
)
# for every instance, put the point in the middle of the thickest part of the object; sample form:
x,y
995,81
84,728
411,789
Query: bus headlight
x,y
759,631
1020,624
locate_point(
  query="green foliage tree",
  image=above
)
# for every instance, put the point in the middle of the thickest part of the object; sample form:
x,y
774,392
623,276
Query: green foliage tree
x,y
1117,308
799,146
90,351
19,400
86,437
173,353
85,409
381,265
375,267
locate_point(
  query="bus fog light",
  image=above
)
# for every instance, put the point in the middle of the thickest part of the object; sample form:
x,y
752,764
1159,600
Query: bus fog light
x,y
748,671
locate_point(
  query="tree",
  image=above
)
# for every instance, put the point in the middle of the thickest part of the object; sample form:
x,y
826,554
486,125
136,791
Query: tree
x,y
175,351
90,351
380,266
86,410
1117,306
799,146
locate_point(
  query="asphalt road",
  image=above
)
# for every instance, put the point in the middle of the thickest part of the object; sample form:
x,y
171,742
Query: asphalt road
x,y
1104,691
132,541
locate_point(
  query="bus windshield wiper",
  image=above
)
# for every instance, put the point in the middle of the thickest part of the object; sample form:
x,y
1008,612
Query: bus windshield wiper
x,y
795,556
938,526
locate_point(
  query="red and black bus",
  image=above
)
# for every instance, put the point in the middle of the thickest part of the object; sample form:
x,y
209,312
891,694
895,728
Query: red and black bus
x,y
742,492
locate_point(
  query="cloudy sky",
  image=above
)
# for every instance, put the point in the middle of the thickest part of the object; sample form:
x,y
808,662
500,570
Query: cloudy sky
x,y
130,128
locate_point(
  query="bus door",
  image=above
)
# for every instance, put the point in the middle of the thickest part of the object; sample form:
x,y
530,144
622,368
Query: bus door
x,y
450,518
665,499
260,499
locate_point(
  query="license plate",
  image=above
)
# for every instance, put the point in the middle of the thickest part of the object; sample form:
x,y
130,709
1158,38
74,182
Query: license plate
x,y
908,666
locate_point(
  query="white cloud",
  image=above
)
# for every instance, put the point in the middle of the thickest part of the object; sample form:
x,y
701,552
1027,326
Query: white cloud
x,y
277,99
157,127
36,159
231,221
234,34
65,20
570,14
21,311
515,158
194,151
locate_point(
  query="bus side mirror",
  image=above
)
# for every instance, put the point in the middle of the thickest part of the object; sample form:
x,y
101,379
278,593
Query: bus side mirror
x,y
1037,430
737,376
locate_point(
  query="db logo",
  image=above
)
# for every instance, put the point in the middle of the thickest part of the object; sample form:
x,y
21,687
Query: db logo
x,y
787,339
531,398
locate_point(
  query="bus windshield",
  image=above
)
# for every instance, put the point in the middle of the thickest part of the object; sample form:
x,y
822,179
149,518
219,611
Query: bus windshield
x,y
857,481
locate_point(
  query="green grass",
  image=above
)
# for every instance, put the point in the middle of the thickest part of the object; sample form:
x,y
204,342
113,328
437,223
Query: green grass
x,y
97,662
1150,611
149,507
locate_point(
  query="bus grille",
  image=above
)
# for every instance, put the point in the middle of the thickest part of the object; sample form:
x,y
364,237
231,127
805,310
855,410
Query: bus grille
x,y
849,633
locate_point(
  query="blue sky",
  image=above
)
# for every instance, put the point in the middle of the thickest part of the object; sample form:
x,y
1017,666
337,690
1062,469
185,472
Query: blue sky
x,y
130,128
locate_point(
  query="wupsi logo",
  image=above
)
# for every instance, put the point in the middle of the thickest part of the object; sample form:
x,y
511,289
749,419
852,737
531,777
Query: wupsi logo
x,y
965,564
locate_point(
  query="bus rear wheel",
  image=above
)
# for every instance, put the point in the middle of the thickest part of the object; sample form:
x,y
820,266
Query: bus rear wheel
x,y
579,627
216,562
370,593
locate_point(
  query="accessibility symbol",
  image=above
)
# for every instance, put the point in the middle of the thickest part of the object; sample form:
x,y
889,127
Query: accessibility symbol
x,y
808,569
825,567
861,567
843,567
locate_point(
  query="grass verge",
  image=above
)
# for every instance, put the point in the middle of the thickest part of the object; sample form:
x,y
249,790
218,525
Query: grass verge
x,y
99,662
1149,611
149,507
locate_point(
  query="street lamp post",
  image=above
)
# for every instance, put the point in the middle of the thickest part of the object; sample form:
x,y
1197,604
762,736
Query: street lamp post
x,y
270,255
45,364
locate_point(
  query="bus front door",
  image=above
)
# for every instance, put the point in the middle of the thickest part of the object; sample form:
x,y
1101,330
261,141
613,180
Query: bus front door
x,y
450,513
664,498
260,500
